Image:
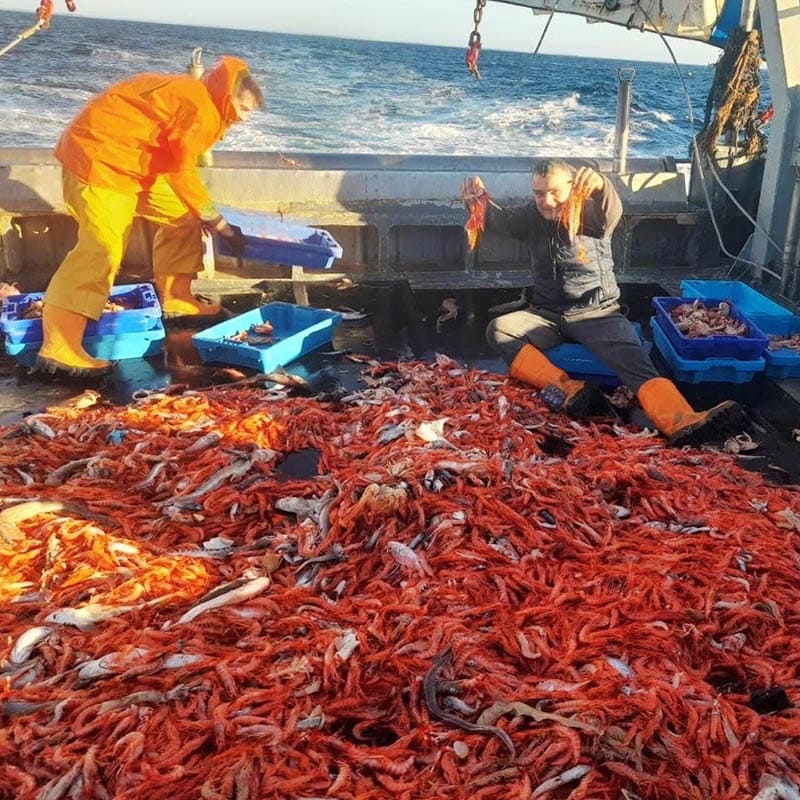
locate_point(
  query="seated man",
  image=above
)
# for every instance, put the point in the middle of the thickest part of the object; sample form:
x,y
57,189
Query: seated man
x,y
568,229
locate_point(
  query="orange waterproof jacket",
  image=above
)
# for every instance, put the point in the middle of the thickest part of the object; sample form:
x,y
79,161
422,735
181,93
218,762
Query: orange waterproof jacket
x,y
154,125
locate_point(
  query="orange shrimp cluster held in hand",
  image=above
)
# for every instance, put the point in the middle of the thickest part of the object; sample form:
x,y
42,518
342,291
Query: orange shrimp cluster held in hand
x,y
571,217
476,206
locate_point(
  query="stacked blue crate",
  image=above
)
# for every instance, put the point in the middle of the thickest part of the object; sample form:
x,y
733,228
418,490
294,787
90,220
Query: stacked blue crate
x,y
770,317
744,348
135,332
712,369
724,359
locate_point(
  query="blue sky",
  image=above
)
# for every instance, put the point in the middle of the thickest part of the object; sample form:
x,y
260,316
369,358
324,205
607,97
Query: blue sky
x,y
443,22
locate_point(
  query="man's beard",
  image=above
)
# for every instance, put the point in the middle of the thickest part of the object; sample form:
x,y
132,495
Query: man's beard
x,y
551,213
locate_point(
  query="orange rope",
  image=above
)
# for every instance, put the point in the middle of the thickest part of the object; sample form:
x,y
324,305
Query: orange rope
x,y
43,14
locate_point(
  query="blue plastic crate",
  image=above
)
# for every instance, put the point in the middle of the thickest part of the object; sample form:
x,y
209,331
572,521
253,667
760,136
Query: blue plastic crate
x,y
783,363
580,363
297,330
268,239
756,307
743,348
111,346
145,316
708,370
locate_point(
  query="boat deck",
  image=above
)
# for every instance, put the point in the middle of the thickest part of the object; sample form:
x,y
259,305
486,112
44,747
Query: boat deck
x,y
401,324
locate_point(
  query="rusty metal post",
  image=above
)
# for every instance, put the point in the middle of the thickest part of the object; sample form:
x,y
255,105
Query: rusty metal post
x,y
625,77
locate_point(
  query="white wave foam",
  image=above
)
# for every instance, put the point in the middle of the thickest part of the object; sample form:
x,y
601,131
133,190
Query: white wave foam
x,y
445,93
552,114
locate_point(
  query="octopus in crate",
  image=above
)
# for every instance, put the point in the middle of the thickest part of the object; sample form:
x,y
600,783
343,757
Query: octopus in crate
x,y
696,320
255,334
35,308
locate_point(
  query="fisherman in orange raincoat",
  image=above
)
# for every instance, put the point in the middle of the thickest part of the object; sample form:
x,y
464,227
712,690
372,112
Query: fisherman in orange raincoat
x,y
133,151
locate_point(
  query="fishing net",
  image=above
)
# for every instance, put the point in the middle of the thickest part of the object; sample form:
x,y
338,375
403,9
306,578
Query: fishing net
x,y
732,104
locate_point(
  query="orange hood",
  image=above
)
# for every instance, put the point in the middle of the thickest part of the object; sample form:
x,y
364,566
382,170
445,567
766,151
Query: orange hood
x,y
222,81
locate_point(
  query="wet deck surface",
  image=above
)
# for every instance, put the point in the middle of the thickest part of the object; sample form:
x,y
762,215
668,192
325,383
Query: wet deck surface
x,y
400,325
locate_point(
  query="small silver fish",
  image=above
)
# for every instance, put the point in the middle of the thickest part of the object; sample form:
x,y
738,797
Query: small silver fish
x,y
389,433
110,664
235,470
27,479
58,476
10,517
151,476
203,443
620,666
409,559
346,644
239,594
27,642
35,425
85,617
145,697
302,507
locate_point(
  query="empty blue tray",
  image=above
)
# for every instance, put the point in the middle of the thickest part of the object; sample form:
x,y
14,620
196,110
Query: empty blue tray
x,y
743,348
297,330
709,370
275,242
144,316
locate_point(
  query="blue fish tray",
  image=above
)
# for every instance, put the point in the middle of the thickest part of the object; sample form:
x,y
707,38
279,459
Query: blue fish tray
x,y
297,330
270,240
756,307
783,363
708,370
743,348
144,315
580,363
111,346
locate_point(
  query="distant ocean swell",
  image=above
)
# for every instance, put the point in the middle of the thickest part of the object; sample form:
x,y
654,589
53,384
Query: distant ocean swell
x,y
355,96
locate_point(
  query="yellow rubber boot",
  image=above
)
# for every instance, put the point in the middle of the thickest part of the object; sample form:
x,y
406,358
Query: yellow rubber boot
x,y
680,423
177,300
558,391
62,347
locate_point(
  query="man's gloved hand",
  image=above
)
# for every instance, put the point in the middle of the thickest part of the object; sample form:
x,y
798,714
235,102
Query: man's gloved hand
x,y
231,234
585,182
234,238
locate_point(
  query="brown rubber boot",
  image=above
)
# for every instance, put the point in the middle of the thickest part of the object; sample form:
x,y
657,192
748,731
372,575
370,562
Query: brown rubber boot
x,y
62,348
558,391
680,423
177,300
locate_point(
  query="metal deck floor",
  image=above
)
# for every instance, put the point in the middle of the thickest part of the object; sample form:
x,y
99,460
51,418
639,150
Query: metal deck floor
x,y
402,324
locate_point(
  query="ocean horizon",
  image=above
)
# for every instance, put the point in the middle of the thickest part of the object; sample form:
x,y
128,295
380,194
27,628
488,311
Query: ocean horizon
x,y
332,94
